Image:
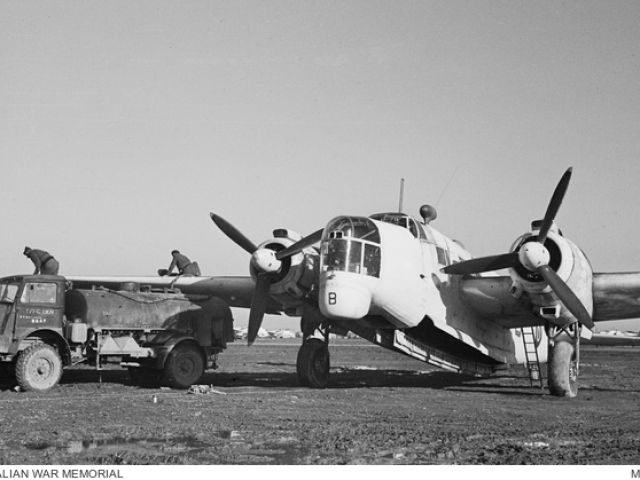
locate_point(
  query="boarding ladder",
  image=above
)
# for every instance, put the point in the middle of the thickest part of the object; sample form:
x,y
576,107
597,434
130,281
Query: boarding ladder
x,y
531,355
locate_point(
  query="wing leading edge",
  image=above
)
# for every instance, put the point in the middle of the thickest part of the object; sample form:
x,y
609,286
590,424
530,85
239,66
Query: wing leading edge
x,y
492,299
616,296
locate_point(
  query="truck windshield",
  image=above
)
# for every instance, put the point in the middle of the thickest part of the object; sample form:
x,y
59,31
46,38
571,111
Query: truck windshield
x,y
8,292
39,293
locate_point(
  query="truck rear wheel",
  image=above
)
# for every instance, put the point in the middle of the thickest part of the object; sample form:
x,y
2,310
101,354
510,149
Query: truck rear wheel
x,y
184,366
38,368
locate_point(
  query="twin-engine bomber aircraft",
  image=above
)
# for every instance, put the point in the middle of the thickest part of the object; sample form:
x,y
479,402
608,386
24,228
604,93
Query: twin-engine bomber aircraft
x,y
401,284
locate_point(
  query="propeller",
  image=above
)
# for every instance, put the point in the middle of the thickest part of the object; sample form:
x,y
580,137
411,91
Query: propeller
x,y
554,205
483,264
533,256
267,263
300,245
233,233
564,293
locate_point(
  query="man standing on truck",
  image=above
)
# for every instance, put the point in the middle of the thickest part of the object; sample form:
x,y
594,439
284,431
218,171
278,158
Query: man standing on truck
x,y
185,266
44,261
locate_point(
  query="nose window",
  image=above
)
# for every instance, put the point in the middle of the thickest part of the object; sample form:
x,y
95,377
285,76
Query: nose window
x,y
348,255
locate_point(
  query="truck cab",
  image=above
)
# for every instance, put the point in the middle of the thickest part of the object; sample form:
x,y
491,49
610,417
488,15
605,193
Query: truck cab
x,y
30,306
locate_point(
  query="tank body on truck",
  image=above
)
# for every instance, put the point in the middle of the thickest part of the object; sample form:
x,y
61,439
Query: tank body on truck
x,y
46,325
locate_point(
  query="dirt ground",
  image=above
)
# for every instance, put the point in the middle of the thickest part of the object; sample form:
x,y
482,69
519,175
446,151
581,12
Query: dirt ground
x,y
380,408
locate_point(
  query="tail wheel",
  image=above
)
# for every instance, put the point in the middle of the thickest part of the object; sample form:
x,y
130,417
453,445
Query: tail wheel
x,y
313,362
184,366
39,368
562,367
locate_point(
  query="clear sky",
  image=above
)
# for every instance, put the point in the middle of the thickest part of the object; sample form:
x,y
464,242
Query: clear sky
x,y
124,123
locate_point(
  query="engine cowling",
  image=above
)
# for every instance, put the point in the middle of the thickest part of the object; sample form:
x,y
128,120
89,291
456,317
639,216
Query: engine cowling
x,y
570,264
296,276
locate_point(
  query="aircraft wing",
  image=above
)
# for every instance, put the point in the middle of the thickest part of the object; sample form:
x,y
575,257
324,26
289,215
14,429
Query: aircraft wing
x,y
614,339
235,291
491,298
616,296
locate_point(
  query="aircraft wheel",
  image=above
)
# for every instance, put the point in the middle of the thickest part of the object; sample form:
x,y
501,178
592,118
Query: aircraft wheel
x,y
184,366
562,367
312,364
38,368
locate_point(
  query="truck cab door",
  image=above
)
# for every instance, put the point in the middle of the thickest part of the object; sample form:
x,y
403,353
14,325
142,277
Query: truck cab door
x,y
8,293
38,306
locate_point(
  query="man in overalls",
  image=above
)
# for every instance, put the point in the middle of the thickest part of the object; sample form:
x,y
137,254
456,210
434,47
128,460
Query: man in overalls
x,y
185,266
44,261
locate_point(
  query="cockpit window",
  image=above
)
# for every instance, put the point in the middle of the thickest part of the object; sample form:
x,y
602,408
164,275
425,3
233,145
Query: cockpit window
x,y
347,255
351,244
353,227
401,220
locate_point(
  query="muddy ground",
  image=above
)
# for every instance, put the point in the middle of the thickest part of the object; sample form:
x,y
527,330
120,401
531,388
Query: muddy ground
x,y
380,408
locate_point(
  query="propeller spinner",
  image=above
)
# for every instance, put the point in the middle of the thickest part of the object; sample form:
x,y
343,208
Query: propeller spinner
x,y
267,263
533,256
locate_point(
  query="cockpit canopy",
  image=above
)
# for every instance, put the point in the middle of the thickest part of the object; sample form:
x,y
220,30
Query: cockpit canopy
x,y
353,227
351,244
401,220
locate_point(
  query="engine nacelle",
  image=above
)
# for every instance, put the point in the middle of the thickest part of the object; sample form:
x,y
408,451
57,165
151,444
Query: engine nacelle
x,y
297,275
571,265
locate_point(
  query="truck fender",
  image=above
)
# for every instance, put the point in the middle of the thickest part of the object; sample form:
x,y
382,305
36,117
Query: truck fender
x,y
167,341
45,336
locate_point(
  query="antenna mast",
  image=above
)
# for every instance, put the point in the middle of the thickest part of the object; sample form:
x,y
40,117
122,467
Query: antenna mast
x,y
401,195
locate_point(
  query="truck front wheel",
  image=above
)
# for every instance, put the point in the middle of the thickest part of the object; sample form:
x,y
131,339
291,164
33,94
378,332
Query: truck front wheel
x,y
38,368
184,366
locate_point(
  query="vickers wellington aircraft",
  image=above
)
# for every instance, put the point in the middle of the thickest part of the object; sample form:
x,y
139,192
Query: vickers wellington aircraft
x,y
399,283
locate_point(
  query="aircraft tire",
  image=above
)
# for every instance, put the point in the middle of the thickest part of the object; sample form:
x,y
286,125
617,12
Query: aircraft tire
x,y
301,361
313,363
562,368
184,366
39,368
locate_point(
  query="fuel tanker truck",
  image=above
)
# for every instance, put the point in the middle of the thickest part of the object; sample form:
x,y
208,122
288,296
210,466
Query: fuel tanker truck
x,y
159,335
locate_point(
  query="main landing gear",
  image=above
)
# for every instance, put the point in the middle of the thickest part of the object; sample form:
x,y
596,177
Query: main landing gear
x,y
313,360
563,361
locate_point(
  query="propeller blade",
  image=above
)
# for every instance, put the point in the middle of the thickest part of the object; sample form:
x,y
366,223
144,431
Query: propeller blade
x,y
233,233
554,205
566,295
258,306
300,245
483,264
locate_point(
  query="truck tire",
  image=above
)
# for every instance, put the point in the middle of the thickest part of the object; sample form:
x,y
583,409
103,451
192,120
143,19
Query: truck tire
x,y
184,366
39,368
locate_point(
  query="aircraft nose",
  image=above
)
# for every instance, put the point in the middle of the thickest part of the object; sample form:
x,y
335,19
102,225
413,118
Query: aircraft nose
x,y
343,299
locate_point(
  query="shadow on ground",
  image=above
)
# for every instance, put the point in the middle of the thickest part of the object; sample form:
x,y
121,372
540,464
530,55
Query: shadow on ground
x,y
340,378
